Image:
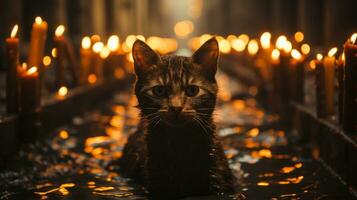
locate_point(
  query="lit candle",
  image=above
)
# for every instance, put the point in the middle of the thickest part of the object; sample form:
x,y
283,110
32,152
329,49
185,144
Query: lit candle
x,y
12,57
340,70
86,54
97,60
60,57
350,104
37,43
320,87
297,76
30,94
113,61
329,68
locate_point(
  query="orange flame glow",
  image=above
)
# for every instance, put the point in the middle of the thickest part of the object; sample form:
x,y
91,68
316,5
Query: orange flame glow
x,y
32,70
59,30
38,20
14,31
62,91
332,52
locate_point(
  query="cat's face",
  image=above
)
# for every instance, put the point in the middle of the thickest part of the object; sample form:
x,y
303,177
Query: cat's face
x,y
173,89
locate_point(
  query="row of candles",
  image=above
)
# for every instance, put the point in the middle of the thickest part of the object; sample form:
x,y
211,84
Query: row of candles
x,y
283,66
98,60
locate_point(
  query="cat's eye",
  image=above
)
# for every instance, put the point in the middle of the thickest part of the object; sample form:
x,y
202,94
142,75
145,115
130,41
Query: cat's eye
x,y
192,90
159,91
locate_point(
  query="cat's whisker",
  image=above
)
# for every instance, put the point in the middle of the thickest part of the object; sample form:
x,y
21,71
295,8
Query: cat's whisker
x,y
201,125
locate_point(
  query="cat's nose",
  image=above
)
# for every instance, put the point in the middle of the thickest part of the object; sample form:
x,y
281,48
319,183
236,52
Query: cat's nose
x,y
175,109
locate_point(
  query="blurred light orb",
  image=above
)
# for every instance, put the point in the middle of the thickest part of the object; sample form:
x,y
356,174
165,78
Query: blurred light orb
x,y
183,28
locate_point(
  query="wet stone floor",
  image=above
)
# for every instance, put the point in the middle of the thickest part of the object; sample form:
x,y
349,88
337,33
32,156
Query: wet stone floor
x,y
74,161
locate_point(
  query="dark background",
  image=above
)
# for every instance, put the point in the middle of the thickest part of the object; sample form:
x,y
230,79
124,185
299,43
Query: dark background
x,y
325,23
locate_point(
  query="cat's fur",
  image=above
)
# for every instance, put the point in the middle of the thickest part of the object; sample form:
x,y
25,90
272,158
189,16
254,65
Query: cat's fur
x,y
175,150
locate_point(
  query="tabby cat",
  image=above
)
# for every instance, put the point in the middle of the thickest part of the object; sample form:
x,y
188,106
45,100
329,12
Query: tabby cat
x,y
175,151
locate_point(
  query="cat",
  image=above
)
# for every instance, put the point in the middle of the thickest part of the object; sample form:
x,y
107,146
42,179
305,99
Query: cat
x,y
175,151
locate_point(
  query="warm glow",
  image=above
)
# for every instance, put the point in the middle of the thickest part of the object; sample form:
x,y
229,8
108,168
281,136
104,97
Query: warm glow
x,y
54,52
280,42
140,37
92,78
130,39
288,47
32,70
14,31
299,36
265,40
204,38
95,38
46,61
244,37
38,20
24,66
97,47
238,45
305,49
154,42
86,42
253,47
312,65
113,43
59,30
332,52
63,134
183,28
125,47
224,46
319,56
104,53
296,54
63,91
275,54
129,57
230,38
263,184
343,57
353,38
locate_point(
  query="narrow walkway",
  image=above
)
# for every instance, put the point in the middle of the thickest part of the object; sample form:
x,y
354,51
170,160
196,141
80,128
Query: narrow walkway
x,y
74,163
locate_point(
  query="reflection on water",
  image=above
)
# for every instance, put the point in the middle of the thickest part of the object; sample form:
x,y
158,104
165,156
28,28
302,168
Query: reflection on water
x,y
75,162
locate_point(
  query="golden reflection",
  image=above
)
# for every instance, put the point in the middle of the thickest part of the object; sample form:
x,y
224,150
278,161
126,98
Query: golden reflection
x,y
264,184
253,132
101,189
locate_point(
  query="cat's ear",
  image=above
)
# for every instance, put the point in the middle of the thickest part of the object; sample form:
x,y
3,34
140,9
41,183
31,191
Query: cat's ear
x,y
144,57
207,57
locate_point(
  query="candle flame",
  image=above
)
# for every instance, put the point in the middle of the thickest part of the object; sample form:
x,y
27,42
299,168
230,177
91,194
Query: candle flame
x,y
113,43
238,45
54,52
104,53
280,42
32,70
46,61
332,52
305,48
353,38
299,36
92,78
59,30
62,91
38,20
288,47
86,42
183,28
296,54
204,38
312,65
14,31
97,47
253,47
141,37
265,40
244,37
275,54
319,56
224,46
24,66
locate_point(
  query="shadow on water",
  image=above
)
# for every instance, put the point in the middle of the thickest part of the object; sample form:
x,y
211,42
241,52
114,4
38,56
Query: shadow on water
x,y
74,162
